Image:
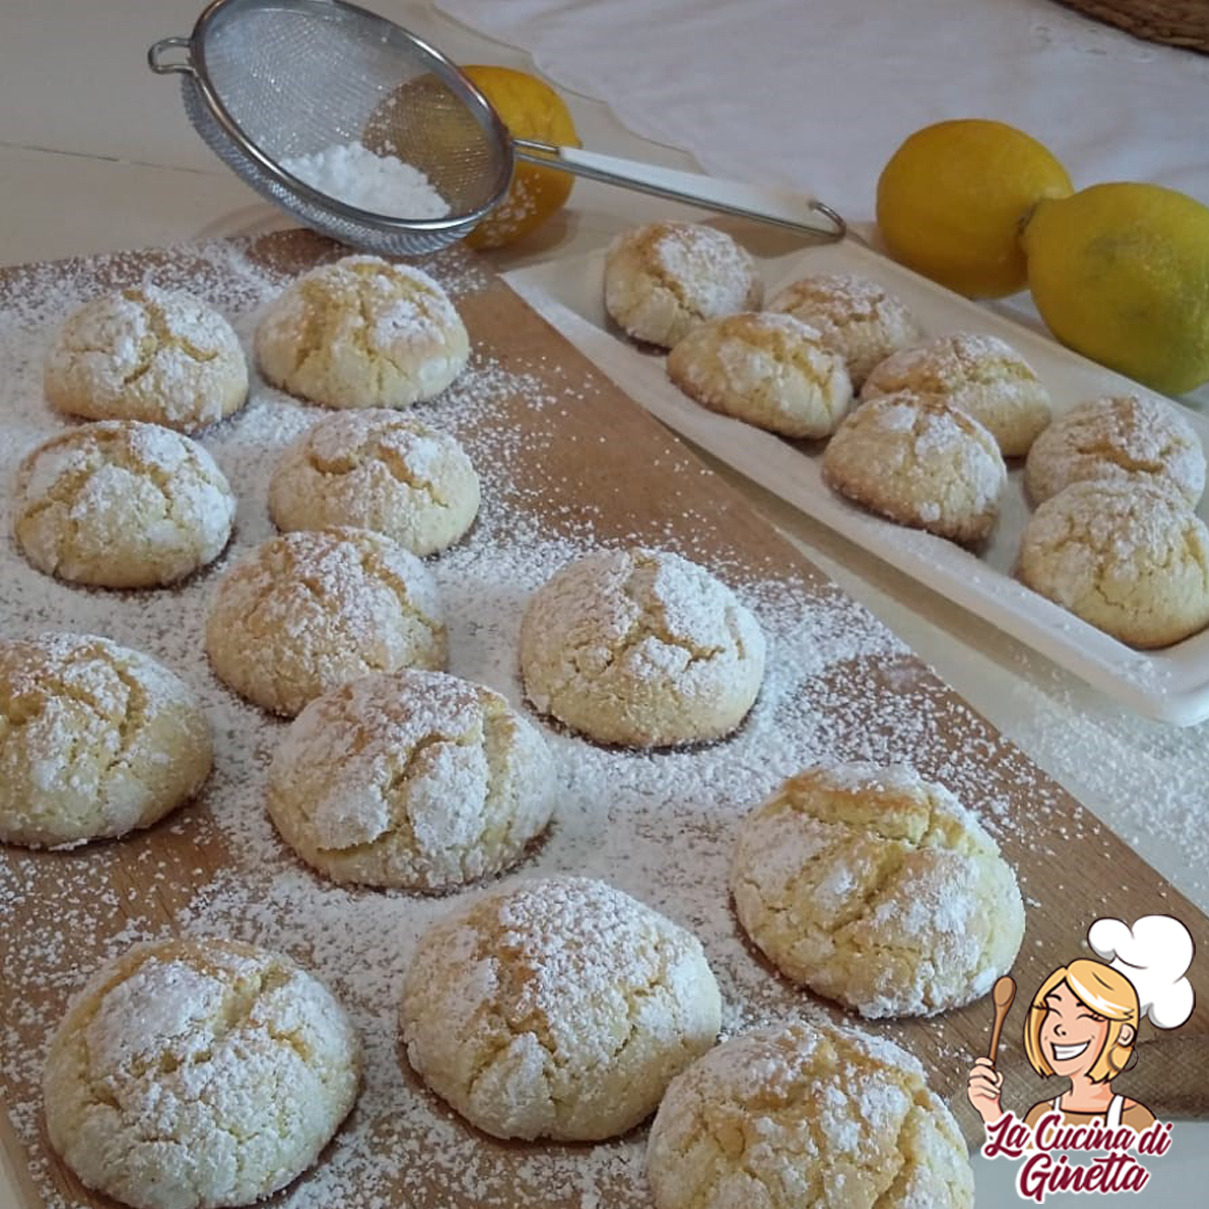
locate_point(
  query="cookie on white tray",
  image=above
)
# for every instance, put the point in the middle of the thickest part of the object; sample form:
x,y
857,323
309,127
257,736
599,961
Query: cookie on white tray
x,y
662,279
770,370
878,889
556,1008
362,333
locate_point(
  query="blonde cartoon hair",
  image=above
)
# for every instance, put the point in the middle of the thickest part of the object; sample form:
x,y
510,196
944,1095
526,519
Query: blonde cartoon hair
x,y
1100,989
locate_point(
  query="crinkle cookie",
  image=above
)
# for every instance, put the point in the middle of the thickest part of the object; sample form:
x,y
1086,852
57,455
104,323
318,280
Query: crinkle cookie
x,y
855,317
192,1074
770,370
982,375
1129,557
308,611
1117,439
95,740
663,279
556,1008
121,504
161,356
642,648
377,470
921,463
416,780
807,1116
876,888
362,333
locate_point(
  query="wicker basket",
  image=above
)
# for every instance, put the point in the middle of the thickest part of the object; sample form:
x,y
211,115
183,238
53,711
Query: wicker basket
x,y
1175,22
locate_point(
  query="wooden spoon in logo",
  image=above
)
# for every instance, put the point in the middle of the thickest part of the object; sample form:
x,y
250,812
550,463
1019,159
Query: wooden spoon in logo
x,y
1003,992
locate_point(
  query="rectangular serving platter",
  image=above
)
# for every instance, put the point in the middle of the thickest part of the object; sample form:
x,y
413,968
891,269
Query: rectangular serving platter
x,y
1171,685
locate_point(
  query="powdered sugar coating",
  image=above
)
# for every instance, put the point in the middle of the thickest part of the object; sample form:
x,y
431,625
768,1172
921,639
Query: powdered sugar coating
x,y
308,611
919,462
770,370
557,1008
95,740
1132,437
1129,556
377,470
121,504
145,353
662,279
383,184
877,888
854,316
979,374
192,1074
641,647
362,333
417,780
806,1116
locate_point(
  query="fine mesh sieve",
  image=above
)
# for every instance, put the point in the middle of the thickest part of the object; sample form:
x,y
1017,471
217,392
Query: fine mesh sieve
x,y
267,80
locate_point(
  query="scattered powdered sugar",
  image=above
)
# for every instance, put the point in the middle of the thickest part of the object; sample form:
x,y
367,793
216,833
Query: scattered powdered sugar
x,y
658,825
383,184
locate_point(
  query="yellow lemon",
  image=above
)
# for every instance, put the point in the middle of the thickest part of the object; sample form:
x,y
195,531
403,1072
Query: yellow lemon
x,y
951,200
531,109
1120,272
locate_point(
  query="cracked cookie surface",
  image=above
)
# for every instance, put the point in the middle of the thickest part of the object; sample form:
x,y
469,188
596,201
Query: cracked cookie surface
x,y
806,1116
1117,439
1129,557
919,462
415,780
148,354
770,370
981,375
362,333
876,888
556,1008
662,279
192,1074
95,740
121,504
308,611
854,316
642,648
377,470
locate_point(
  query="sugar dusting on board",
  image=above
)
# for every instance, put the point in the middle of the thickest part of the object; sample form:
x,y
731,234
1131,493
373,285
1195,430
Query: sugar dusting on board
x,y
656,825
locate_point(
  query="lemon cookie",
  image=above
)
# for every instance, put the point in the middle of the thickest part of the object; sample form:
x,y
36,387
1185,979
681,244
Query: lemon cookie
x,y
191,1074
855,317
919,462
806,1116
876,888
1129,557
982,375
643,648
416,780
1117,439
377,470
308,611
121,504
95,740
663,279
148,354
770,370
362,333
557,1008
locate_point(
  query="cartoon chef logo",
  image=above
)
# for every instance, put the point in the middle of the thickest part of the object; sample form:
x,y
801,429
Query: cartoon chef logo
x,y
1082,1027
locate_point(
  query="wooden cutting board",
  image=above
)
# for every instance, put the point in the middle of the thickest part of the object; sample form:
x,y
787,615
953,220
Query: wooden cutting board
x,y
601,463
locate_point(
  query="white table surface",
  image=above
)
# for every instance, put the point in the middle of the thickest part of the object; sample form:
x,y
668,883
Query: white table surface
x,y
96,154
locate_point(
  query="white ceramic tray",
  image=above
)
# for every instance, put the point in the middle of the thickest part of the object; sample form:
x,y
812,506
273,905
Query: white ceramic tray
x,y
1171,685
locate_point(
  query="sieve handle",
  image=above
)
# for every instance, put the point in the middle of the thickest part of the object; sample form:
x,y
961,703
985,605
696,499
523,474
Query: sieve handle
x,y
781,207
163,67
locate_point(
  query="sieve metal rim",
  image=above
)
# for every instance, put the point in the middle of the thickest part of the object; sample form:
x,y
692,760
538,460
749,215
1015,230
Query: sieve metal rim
x,y
194,65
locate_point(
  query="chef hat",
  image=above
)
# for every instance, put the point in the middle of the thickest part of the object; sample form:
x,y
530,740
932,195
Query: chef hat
x,y
1154,955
